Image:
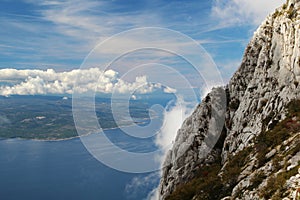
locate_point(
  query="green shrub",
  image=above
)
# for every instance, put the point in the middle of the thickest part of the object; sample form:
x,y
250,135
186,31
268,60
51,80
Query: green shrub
x,y
294,107
276,163
294,150
206,185
234,166
234,104
276,14
256,180
292,13
284,6
283,129
276,184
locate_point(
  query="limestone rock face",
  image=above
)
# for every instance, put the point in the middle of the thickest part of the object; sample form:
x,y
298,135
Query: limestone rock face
x,y
195,141
268,77
254,100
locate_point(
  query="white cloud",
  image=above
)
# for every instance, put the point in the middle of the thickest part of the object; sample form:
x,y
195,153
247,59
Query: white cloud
x,y
31,82
139,183
235,12
90,20
173,120
153,195
63,32
169,90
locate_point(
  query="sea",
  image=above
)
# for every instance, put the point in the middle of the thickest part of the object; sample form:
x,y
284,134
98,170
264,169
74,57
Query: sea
x,y
60,170
64,169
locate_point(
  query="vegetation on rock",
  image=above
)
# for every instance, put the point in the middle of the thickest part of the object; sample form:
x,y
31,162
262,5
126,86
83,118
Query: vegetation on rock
x,y
212,182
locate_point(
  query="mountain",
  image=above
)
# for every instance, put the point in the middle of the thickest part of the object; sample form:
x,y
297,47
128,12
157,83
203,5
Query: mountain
x,y
243,140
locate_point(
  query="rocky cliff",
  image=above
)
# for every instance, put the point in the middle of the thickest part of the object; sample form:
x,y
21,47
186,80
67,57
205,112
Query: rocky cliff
x,y
243,140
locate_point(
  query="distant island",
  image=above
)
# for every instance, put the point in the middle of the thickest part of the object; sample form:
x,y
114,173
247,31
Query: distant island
x,y
51,118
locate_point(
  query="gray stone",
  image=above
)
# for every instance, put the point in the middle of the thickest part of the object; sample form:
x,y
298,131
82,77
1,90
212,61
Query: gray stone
x,y
271,154
264,84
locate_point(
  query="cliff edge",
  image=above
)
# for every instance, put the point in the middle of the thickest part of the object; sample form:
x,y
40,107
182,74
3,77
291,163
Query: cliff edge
x,y
254,122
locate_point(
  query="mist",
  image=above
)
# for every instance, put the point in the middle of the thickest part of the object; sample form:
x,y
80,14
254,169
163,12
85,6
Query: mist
x,y
173,119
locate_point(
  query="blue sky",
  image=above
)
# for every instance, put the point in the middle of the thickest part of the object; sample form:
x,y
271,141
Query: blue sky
x,y
37,34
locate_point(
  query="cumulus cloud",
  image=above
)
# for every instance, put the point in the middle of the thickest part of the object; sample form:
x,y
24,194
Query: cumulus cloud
x,y
233,12
31,82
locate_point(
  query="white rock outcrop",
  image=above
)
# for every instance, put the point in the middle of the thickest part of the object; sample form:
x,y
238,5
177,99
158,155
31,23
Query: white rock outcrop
x,y
255,98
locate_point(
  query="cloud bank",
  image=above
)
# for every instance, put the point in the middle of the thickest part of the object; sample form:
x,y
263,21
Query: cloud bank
x,y
32,82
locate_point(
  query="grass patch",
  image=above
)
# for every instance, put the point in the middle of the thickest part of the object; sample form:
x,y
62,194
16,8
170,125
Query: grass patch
x,y
275,187
268,140
206,185
234,167
257,180
209,185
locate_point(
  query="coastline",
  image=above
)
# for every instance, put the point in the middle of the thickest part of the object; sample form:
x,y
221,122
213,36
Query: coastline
x,y
73,137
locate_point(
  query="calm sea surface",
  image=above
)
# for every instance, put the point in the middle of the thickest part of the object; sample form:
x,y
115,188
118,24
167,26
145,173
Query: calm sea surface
x,y
54,170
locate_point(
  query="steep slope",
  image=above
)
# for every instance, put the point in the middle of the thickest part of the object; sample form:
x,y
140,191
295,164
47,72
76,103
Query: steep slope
x,y
259,131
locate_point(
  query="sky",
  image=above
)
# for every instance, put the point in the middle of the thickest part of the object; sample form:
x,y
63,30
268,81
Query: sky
x,y
58,35
44,46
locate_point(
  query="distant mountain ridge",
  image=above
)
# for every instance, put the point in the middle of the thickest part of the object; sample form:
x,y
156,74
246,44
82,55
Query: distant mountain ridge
x,y
258,152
